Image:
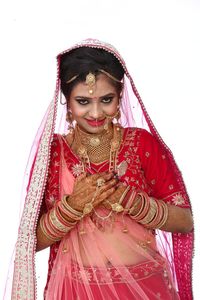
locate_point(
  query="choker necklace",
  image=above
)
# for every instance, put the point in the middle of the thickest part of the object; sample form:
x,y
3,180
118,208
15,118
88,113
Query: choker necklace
x,y
97,148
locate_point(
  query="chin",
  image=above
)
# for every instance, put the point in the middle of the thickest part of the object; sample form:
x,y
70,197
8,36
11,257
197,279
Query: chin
x,y
95,129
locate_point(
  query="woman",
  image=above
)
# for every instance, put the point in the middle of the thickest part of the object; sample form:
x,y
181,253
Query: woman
x,y
106,194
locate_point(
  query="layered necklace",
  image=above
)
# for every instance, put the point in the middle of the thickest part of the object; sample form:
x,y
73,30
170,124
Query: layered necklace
x,y
97,148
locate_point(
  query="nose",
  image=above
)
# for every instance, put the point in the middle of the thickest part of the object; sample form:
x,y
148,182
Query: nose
x,y
95,111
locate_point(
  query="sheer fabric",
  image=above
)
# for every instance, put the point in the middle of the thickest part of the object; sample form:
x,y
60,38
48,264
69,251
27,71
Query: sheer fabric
x,y
134,114
95,262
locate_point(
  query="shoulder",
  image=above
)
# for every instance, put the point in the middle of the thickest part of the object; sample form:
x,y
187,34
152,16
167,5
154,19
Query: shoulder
x,y
139,133
143,139
56,140
60,143
56,144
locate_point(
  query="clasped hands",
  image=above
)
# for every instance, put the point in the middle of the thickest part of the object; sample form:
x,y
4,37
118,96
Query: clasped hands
x,y
96,190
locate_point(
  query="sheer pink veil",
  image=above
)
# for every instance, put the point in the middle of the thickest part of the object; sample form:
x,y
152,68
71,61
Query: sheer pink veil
x,y
178,248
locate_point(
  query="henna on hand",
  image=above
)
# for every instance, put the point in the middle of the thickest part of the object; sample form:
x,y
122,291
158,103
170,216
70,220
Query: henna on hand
x,y
86,190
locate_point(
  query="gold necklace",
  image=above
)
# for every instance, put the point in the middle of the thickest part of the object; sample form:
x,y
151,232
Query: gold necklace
x,y
97,148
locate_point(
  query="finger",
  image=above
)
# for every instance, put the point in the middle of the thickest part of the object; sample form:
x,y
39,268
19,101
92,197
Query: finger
x,y
108,185
79,179
105,195
104,175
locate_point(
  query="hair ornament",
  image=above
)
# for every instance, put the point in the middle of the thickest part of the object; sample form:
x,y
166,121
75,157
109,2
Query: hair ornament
x,y
90,81
72,79
109,75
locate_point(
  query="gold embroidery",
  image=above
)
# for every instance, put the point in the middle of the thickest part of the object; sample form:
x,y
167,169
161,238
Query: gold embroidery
x,y
24,272
77,169
178,199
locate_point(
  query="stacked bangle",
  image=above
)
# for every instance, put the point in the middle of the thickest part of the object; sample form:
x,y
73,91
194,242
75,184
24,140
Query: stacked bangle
x,y
59,220
152,213
69,211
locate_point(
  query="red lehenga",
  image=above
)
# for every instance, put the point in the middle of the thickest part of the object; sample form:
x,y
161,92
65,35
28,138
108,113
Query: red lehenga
x,y
89,266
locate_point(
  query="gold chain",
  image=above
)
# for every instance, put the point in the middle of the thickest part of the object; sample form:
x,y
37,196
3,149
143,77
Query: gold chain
x,y
97,148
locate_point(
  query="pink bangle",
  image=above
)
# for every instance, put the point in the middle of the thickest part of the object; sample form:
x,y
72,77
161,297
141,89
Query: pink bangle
x,y
151,213
63,211
130,198
145,207
44,227
165,214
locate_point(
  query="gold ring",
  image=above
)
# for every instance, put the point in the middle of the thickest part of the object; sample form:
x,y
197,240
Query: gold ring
x,y
100,182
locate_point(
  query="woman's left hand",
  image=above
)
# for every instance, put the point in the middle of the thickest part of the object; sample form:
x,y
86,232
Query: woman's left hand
x,y
115,197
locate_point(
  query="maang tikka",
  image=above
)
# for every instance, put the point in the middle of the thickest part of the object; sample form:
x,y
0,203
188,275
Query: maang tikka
x,y
90,80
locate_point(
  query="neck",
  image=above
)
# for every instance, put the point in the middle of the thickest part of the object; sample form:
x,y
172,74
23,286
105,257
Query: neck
x,y
97,146
89,134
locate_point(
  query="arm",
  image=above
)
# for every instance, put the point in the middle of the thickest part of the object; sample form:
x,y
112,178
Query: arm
x,y
179,220
66,213
166,182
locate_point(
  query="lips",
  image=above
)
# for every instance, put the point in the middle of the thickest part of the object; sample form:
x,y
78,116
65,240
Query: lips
x,y
95,123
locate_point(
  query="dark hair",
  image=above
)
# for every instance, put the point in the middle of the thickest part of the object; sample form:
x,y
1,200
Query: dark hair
x,y
83,60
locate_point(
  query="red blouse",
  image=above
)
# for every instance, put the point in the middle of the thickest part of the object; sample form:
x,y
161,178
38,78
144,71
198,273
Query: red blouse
x,y
149,167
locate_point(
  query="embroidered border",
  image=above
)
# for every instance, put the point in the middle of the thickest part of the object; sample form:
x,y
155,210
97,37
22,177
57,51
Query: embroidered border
x,y
24,281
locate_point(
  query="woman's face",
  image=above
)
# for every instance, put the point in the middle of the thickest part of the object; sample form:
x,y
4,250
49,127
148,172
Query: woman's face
x,y
91,111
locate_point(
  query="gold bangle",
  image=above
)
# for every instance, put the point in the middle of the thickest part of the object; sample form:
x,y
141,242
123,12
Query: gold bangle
x,y
48,236
124,194
67,206
151,213
165,215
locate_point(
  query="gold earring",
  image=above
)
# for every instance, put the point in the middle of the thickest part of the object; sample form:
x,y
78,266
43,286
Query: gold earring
x,y
61,102
118,116
69,119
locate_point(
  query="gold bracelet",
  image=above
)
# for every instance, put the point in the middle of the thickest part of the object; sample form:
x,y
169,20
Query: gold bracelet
x,y
151,213
48,236
165,214
76,213
124,194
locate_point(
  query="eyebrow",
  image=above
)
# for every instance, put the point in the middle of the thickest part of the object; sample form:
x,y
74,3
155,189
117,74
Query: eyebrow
x,y
90,98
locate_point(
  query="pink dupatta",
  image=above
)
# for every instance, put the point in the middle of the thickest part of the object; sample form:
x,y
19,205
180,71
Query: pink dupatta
x,y
133,114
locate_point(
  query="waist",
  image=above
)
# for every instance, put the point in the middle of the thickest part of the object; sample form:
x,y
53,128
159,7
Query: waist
x,y
117,274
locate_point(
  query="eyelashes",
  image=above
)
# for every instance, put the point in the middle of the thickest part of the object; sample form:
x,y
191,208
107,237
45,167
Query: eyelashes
x,y
105,100
82,101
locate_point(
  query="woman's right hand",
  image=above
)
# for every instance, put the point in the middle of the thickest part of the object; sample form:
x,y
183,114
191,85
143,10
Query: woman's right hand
x,y
86,190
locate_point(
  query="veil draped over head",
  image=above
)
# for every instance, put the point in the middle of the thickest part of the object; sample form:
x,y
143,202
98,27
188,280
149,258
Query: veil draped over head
x,y
134,114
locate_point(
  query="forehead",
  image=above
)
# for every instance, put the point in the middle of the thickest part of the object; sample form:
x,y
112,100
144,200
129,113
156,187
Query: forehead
x,y
102,87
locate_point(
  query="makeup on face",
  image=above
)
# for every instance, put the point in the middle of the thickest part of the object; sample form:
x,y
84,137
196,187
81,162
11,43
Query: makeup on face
x,y
92,111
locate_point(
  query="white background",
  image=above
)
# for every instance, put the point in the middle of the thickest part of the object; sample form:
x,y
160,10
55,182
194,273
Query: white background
x,y
160,42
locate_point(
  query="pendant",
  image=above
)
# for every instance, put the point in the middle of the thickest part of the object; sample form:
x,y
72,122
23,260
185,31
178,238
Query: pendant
x,y
121,168
94,141
117,207
82,151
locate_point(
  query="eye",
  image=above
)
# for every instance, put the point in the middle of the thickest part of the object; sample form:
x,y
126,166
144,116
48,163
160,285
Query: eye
x,y
107,100
82,101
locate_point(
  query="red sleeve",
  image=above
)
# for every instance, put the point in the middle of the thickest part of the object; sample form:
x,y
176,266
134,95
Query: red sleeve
x,y
161,172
